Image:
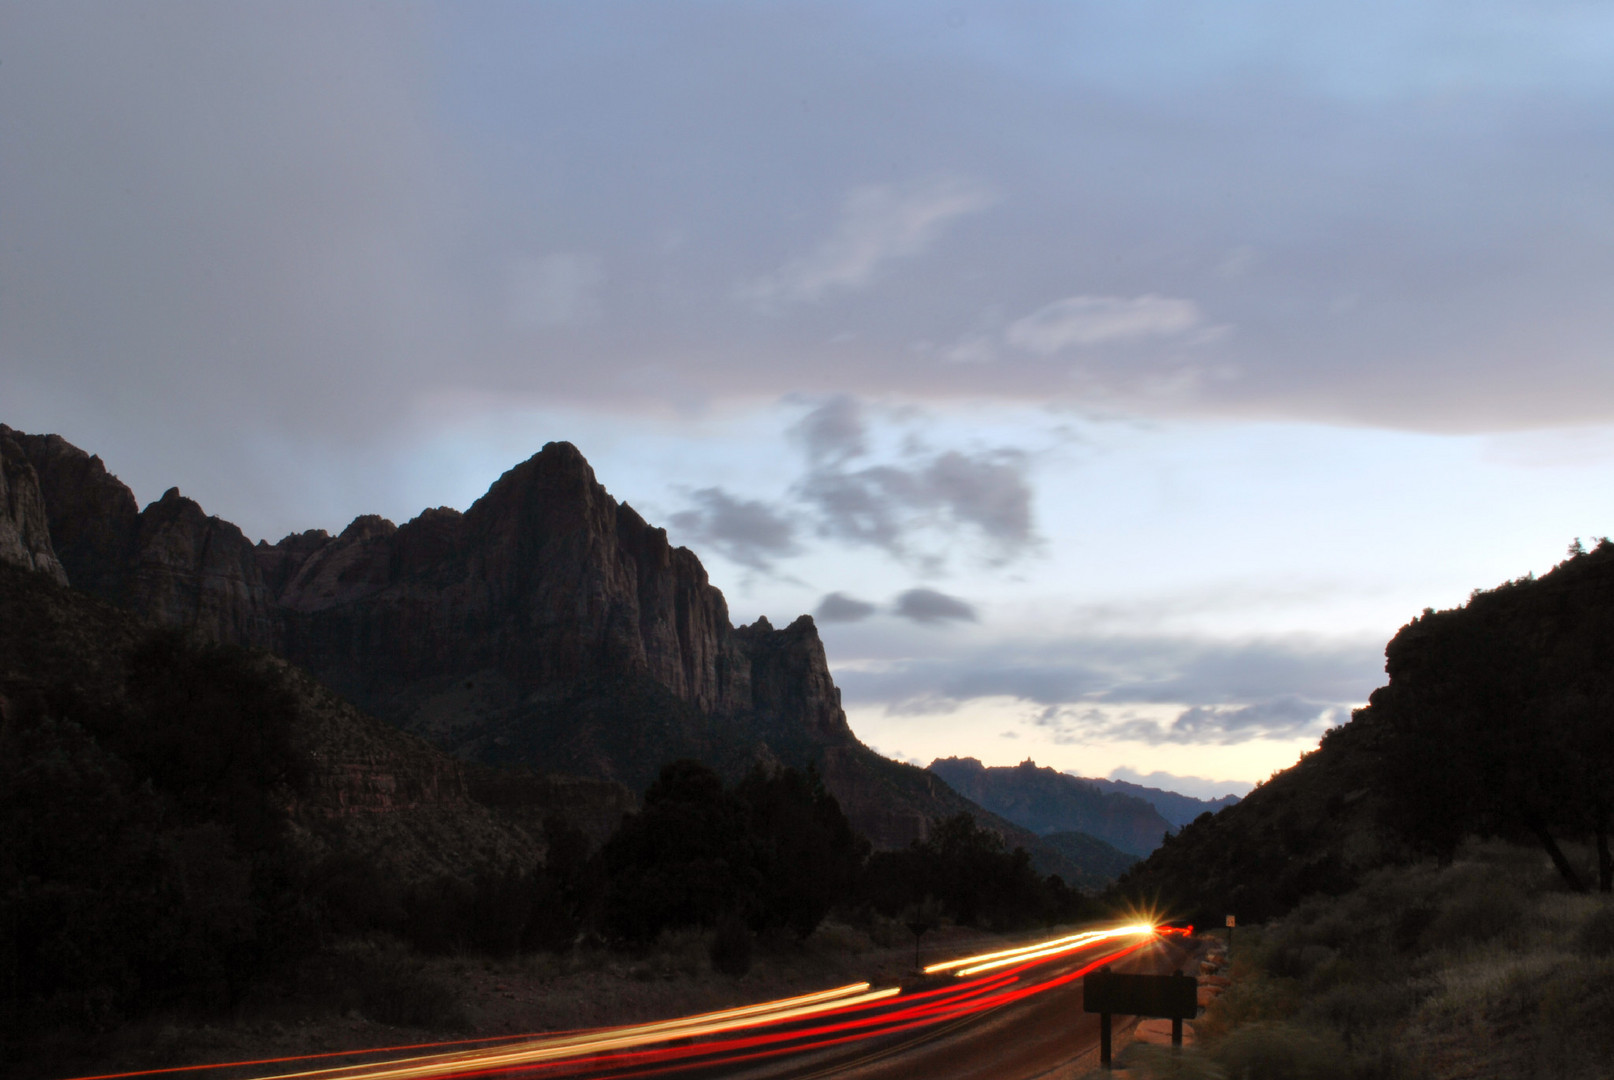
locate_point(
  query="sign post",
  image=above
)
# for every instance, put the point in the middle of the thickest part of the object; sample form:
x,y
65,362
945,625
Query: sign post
x,y
1174,997
1230,923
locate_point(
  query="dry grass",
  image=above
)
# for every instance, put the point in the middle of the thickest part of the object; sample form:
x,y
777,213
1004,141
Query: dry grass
x,y
1484,969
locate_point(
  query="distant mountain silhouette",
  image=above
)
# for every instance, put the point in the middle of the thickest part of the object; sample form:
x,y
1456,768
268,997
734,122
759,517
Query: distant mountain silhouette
x,y
1174,807
1045,800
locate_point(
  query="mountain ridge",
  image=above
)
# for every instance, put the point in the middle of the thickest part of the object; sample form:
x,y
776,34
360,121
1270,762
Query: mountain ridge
x,y
1175,807
1045,800
546,625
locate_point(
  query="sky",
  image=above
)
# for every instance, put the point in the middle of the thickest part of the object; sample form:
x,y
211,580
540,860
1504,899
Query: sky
x,y
1109,381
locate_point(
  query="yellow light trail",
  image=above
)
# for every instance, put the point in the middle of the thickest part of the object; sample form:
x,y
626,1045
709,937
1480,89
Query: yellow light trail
x,y
537,1051
624,1038
970,965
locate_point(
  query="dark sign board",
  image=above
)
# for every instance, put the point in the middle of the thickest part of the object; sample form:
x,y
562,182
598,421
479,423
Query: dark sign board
x,y
1175,997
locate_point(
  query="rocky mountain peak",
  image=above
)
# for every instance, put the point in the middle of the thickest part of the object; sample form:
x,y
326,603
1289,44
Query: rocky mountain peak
x,y
366,526
548,625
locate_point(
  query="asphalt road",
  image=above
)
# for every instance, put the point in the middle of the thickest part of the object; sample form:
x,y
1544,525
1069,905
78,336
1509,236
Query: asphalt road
x,y
1011,1015
1042,1035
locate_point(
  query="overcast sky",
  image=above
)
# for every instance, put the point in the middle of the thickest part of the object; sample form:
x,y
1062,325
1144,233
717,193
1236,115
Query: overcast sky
x,y
1111,380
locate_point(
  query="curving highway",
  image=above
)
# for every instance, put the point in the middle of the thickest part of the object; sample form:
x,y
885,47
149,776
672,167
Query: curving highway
x,y
1011,1015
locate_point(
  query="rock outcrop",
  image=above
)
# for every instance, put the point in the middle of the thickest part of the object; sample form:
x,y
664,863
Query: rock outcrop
x,y
92,516
171,562
198,572
24,524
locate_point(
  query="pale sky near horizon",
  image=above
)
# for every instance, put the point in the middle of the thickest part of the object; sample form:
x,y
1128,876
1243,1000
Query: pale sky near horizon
x,y
1111,381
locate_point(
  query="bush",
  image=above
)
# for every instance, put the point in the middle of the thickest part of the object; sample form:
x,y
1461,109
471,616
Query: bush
x,y
978,881
1278,1051
1165,1063
1596,937
731,946
1481,911
389,988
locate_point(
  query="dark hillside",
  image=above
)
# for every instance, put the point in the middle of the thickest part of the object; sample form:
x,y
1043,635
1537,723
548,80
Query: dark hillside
x,y
1497,721
1100,862
1312,828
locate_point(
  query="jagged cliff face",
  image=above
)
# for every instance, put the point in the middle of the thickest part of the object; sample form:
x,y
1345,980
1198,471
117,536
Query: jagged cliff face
x,y
486,628
545,579
548,624
24,525
171,562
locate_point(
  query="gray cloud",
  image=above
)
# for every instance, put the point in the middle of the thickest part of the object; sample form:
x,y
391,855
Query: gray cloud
x,y
890,505
988,491
230,230
555,289
930,606
1286,716
1089,688
833,432
747,531
878,224
838,607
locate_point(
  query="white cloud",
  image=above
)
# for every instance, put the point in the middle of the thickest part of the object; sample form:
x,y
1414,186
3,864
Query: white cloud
x,y
879,224
555,289
1199,787
975,349
1093,320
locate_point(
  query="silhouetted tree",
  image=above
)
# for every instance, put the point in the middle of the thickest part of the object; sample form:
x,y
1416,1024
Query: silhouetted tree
x,y
808,855
683,860
972,874
775,850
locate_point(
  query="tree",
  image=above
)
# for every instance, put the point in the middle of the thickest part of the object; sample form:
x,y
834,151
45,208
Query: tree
x,y
775,851
809,856
682,860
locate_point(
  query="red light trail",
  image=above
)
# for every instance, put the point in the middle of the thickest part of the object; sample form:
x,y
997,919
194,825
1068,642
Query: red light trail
x,y
805,1024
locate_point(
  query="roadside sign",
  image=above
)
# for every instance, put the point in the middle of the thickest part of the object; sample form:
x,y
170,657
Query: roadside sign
x,y
1174,996
1230,922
